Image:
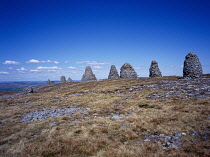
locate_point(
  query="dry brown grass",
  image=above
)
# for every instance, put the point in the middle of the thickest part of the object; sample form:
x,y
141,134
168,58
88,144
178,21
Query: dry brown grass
x,y
99,134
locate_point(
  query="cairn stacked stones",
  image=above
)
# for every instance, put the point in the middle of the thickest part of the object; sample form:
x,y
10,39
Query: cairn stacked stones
x,y
69,80
88,75
127,72
192,66
48,82
63,79
154,71
113,74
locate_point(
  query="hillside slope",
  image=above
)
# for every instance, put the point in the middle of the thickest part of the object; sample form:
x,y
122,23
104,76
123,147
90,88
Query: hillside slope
x,y
143,117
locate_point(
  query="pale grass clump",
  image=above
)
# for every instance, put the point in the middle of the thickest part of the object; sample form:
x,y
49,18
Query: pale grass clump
x,y
97,133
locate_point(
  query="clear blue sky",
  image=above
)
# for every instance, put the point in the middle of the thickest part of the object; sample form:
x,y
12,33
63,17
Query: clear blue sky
x,y
45,39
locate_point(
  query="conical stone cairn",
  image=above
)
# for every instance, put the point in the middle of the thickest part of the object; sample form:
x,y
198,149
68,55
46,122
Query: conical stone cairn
x,y
127,72
113,74
192,66
48,82
63,79
154,71
69,80
88,75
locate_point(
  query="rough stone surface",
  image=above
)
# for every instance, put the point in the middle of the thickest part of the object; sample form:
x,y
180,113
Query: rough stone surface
x,y
127,72
113,74
69,80
51,113
28,90
88,75
63,79
192,66
154,71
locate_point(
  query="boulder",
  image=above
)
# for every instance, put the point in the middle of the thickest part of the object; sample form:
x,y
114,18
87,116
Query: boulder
x,y
154,71
127,72
192,66
88,75
113,74
63,79
28,90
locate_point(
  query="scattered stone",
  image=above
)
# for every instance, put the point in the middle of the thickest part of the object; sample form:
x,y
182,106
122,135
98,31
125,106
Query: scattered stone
x,y
154,71
116,117
52,123
146,140
127,72
32,116
192,66
69,80
113,74
88,75
28,90
63,79
126,142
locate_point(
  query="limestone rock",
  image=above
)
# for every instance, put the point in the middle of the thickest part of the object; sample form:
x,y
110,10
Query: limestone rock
x,y
69,80
28,90
154,70
88,75
63,79
127,72
192,66
113,74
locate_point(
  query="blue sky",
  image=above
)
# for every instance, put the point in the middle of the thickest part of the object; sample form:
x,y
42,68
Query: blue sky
x,y
45,39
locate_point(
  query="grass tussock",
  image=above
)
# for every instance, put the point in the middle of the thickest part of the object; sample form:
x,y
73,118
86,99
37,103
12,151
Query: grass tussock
x,y
119,117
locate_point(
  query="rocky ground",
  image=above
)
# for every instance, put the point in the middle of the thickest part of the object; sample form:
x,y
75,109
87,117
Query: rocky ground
x,y
156,115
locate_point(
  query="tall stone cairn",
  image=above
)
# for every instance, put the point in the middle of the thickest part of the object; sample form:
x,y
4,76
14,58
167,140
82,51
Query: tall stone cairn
x,y
192,66
154,71
63,79
48,82
113,74
69,80
127,72
88,75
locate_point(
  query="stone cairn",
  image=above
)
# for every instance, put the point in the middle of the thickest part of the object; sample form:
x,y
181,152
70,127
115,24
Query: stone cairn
x,y
69,80
127,72
48,82
154,71
192,66
28,90
63,79
113,74
88,75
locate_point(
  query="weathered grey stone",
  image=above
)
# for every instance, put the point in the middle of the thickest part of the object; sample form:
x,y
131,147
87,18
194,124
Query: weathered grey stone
x,y
113,74
127,72
63,79
28,90
88,75
154,71
192,66
69,80
48,82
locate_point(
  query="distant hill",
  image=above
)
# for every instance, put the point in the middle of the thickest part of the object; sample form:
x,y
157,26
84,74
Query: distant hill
x,y
18,86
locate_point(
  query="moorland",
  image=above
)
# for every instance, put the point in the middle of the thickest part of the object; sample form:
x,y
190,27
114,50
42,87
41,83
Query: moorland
x,y
167,116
